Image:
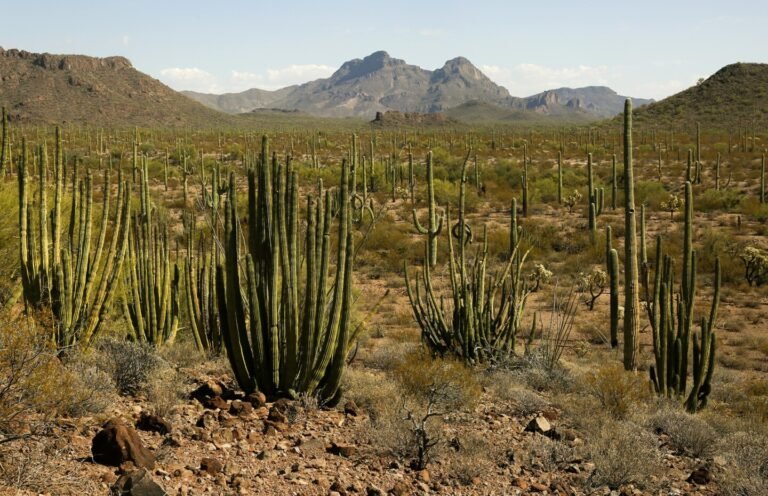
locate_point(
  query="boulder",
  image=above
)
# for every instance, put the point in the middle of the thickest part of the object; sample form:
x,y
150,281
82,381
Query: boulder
x,y
117,443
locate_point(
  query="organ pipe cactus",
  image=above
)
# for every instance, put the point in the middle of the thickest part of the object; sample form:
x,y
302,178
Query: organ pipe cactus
x,y
486,312
435,222
285,337
76,281
672,319
200,291
152,283
631,277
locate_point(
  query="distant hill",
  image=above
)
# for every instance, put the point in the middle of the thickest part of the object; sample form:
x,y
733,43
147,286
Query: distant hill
x,y
477,112
735,96
380,83
599,101
55,89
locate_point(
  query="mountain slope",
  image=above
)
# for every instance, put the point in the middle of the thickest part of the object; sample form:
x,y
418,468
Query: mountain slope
x,y
599,101
380,83
55,89
735,96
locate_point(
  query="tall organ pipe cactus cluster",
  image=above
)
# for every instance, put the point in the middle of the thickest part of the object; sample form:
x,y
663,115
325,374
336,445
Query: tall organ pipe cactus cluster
x,y
672,319
151,303
486,310
71,276
286,330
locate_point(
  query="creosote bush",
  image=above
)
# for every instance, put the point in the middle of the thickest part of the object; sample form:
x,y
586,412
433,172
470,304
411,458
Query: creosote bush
x,y
617,391
623,453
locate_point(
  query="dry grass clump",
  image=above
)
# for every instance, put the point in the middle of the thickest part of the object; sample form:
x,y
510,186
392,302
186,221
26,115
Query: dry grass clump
x,y
688,434
623,453
618,392
746,473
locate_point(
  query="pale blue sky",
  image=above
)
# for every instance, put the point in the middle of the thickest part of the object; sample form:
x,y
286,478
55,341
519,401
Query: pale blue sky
x,y
641,49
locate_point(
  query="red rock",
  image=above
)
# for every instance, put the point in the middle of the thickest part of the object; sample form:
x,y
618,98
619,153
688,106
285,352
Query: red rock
x,y
153,423
240,408
351,409
537,487
137,483
345,450
257,399
211,466
118,443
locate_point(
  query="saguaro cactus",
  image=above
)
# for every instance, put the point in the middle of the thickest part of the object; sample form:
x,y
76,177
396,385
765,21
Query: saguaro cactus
x,y
435,222
5,145
79,282
276,343
631,277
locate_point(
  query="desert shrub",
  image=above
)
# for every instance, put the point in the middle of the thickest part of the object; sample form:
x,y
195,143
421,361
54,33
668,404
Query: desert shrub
x,y
165,389
747,471
372,392
535,370
430,389
688,433
652,193
470,456
618,392
623,453
130,364
94,386
506,388
723,200
34,385
546,454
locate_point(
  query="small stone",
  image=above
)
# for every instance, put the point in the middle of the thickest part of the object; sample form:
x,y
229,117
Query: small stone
x,y
211,466
345,450
350,408
423,475
240,408
373,491
257,399
153,423
539,487
539,425
701,476
215,403
401,488
521,483
137,483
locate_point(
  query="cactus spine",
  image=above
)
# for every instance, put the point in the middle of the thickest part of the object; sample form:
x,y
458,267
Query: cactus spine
x,y
435,222
276,343
631,279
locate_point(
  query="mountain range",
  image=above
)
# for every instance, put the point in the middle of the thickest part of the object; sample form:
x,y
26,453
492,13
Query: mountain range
x,y
380,83
41,88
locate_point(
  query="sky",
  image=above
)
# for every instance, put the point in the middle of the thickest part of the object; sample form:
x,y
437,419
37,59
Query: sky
x,y
648,49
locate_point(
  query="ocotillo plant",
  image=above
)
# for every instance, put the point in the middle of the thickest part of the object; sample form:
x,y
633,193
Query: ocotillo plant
x,y
435,222
631,278
475,329
277,343
78,283
152,291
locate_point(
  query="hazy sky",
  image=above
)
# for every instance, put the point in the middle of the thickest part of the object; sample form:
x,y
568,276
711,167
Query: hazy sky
x,y
641,49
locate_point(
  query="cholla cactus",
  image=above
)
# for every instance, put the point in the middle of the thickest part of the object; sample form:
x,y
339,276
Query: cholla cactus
x,y
755,265
671,205
572,200
594,283
539,275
